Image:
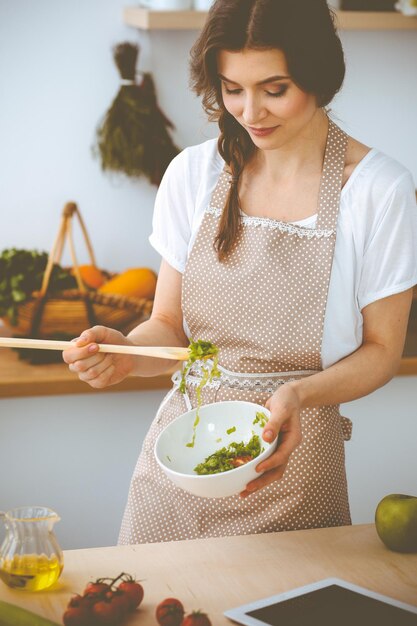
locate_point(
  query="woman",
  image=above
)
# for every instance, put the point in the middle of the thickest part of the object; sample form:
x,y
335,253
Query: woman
x,y
289,245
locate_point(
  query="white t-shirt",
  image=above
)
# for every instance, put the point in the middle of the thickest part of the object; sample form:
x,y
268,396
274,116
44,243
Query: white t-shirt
x,y
376,243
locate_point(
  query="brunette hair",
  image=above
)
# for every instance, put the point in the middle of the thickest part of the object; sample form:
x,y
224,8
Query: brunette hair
x,y
305,32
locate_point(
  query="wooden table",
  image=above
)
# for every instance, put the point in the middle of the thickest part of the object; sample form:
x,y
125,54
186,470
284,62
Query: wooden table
x,y
219,574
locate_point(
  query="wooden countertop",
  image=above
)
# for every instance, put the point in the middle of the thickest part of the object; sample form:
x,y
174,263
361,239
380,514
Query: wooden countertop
x,y
218,574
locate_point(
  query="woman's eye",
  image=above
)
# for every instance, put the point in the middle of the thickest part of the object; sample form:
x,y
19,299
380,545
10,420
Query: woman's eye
x,y
277,94
232,92
273,94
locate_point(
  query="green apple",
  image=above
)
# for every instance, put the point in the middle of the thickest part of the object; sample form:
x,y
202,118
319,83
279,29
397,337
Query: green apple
x,y
396,522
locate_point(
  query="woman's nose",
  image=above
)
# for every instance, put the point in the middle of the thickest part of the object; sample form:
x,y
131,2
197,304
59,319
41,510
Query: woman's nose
x,y
253,111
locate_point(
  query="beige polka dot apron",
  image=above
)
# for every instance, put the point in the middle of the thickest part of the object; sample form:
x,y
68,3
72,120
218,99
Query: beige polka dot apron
x,y
264,308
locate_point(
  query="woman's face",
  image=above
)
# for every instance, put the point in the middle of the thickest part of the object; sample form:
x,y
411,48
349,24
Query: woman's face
x,y
258,91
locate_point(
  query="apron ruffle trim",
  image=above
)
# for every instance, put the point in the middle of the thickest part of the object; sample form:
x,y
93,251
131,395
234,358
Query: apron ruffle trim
x,y
284,227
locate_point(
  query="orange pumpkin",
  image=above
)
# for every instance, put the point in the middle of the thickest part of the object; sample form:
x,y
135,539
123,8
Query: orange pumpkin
x,y
137,282
92,277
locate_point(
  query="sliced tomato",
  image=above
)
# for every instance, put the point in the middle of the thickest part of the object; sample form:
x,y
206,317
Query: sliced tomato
x,y
241,460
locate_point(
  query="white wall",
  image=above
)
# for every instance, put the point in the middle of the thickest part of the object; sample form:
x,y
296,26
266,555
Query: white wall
x,y
75,454
57,78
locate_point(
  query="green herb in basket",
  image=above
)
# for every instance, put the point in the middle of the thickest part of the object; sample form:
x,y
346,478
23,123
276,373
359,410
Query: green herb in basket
x,y
21,273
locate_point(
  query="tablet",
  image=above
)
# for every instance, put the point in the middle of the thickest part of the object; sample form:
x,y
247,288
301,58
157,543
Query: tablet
x,y
329,602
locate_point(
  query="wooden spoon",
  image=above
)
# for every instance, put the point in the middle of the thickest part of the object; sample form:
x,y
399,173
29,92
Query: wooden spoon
x,y
159,352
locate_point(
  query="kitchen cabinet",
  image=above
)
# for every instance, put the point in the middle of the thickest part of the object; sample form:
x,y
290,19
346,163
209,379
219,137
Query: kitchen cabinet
x,y
146,19
221,573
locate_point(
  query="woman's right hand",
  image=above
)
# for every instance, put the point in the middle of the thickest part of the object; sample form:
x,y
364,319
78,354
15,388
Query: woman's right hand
x,y
99,369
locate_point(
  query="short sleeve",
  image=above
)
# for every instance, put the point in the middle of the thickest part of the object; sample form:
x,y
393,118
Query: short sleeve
x,y
171,225
390,256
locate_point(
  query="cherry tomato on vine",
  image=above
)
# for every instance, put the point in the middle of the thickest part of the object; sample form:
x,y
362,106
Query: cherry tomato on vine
x,y
96,588
134,592
104,604
106,613
120,599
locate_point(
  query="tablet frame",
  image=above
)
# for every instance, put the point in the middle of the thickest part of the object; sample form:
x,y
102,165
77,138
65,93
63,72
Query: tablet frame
x,y
239,613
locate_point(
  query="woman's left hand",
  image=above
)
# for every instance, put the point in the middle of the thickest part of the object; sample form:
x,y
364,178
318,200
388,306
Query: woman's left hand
x,y
285,408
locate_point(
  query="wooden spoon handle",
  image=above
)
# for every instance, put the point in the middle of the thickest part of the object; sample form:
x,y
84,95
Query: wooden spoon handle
x,y
159,352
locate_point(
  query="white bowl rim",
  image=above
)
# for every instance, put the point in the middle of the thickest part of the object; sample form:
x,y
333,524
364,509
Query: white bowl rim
x,y
235,469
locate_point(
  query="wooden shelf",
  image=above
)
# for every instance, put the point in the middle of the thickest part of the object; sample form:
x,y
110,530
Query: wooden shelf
x,y
163,20
194,20
408,367
376,20
19,379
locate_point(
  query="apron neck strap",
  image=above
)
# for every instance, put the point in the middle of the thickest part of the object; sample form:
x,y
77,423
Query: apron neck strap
x,y
332,176
330,185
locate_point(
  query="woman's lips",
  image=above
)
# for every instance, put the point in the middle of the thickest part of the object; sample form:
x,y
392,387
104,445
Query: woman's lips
x,y
262,132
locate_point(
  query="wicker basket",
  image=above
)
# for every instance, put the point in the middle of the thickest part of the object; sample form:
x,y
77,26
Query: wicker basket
x,y
46,315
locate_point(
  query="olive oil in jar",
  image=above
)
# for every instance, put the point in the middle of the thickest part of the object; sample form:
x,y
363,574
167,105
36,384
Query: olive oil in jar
x,y
30,572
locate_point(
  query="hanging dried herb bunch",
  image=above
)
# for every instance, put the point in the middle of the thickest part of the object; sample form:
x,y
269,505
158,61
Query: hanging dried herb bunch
x,y
133,137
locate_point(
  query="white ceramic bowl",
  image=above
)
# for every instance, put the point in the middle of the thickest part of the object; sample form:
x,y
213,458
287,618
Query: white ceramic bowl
x,y
178,461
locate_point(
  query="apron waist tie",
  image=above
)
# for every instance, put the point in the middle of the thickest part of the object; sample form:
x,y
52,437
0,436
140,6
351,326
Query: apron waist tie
x,y
236,380
241,380
268,382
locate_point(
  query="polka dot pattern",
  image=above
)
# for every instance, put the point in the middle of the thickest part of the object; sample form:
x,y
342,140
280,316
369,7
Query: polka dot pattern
x,y
264,307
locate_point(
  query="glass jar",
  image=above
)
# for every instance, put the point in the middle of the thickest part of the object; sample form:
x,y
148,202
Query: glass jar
x,y
30,556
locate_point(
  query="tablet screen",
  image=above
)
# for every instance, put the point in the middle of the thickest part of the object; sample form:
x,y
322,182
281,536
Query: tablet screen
x,y
332,606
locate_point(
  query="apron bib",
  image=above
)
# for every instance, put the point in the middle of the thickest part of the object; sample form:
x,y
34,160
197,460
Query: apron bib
x,y
264,308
